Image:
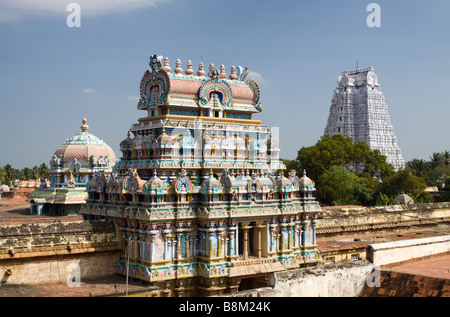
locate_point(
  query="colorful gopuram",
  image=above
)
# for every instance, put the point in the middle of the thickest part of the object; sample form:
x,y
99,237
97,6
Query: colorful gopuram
x,y
199,196
73,165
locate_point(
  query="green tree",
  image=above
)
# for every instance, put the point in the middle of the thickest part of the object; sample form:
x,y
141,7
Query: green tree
x,y
11,173
404,181
418,167
339,150
384,200
339,186
436,159
26,173
446,157
2,176
35,170
43,170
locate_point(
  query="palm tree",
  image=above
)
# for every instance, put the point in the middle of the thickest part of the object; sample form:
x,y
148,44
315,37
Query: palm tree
x,y
35,170
446,156
435,159
9,171
43,170
418,166
26,173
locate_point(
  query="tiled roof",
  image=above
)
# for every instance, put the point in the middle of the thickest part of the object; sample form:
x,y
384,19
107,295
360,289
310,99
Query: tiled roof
x,y
188,86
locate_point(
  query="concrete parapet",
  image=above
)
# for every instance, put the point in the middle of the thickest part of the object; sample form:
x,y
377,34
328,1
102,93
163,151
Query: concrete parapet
x,y
398,251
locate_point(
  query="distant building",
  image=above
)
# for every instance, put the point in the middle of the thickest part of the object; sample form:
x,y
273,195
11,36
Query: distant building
x,y
358,110
200,199
72,166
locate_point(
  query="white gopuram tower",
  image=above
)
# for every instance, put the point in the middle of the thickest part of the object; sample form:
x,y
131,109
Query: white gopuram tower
x,y
358,110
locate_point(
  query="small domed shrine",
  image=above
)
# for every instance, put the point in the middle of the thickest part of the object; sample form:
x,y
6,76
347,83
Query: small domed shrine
x,y
403,199
199,195
73,165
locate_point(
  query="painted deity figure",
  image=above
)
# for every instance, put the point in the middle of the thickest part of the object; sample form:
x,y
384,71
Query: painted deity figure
x,y
71,180
213,72
155,62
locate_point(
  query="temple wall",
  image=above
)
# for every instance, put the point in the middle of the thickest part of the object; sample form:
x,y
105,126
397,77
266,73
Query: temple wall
x,y
343,220
58,268
49,252
22,237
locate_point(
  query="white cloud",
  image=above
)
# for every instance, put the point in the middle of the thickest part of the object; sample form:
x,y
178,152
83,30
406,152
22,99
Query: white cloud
x,y
256,76
14,10
88,91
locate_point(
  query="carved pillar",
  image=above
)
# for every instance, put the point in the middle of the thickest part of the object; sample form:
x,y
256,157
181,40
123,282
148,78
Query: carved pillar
x,y
245,228
231,240
188,242
152,238
245,244
314,226
178,250
203,240
273,236
210,243
259,227
304,228
220,240
282,236
166,233
289,229
141,242
296,235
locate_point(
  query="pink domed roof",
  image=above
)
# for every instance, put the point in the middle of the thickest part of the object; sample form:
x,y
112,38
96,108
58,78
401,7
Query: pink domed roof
x,y
84,145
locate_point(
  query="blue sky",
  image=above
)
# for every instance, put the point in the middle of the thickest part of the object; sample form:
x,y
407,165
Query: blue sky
x,y
51,76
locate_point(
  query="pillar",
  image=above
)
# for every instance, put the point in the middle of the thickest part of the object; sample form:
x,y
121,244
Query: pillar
x,y
282,237
210,243
152,239
259,227
178,251
231,241
273,238
314,226
245,251
304,227
166,233
188,242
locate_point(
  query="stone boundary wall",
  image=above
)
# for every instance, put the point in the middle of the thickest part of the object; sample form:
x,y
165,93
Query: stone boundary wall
x,y
326,280
398,251
35,253
57,233
350,219
58,268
